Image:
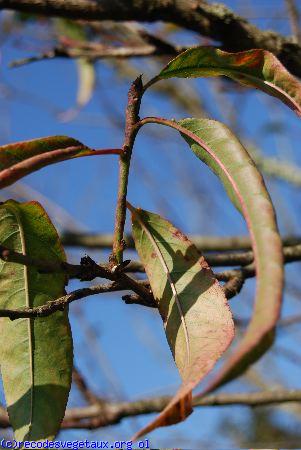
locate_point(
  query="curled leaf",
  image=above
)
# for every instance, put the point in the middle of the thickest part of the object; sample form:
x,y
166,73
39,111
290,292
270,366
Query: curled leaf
x,y
255,68
22,158
196,317
35,354
216,146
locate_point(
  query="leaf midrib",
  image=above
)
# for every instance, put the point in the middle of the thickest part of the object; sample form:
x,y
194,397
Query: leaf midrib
x,y
29,321
235,72
172,285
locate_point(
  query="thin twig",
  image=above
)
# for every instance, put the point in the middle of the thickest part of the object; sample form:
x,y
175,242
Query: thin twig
x,y
292,253
104,414
132,117
57,305
88,270
294,20
276,168
234,285
61,303
95,51
203,243
213,20
83,387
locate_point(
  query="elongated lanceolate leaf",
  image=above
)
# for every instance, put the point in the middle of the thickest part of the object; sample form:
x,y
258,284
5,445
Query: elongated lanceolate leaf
x,y
216,146
71,34
21,158
256,68
86,84
197,319
35,354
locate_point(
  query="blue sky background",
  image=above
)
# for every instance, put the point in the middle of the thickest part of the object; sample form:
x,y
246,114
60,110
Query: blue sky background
x,y
125,354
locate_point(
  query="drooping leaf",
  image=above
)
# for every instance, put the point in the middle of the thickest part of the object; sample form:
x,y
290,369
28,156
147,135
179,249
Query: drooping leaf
x,y
21,158
255,68
35,354
86,75
197,319
216,146
69,33
86,84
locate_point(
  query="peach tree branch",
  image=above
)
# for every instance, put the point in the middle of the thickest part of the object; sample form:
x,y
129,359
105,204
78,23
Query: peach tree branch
x,y
132,118
213,20
104,413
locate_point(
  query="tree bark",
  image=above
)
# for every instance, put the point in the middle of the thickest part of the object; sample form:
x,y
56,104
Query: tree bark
x,y
216,21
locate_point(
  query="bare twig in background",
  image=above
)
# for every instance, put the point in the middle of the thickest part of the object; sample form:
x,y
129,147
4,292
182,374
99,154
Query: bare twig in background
x,y
96,51
203,243
214,21
291,253
274,167
113,413
294,16
100,360
104,414
83,387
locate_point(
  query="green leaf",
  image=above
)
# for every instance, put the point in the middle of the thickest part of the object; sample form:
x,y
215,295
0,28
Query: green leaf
x,y
216,146
195,313
35,354
255,68
21,158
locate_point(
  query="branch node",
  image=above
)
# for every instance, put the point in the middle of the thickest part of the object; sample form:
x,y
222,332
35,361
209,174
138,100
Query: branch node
x,y
89,268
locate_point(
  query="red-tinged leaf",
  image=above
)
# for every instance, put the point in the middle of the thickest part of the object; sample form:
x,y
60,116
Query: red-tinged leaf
x,y
196,316
255,68
21,158
216,146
